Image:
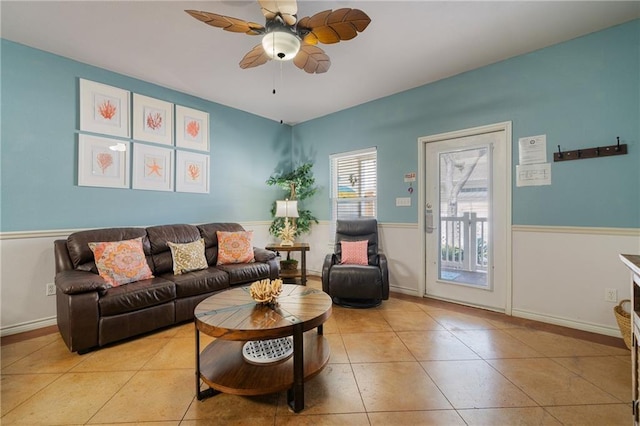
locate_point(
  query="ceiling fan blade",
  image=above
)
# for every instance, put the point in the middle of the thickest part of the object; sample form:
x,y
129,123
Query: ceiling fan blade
x,y
227,23
287,9
312,59
333,26
254,58
310,38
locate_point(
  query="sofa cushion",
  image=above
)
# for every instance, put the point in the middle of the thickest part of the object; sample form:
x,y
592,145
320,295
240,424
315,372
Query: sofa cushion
x,y
188,257
199,282
82,256
121,262
159,236
208,231
235,247
136,296
245,272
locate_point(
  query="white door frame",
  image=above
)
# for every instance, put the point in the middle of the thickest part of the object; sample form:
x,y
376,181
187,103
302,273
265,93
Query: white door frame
x,y
422,141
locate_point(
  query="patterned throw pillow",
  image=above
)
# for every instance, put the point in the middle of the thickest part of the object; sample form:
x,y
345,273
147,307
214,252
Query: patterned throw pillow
x,y
188,257
235,247
354,252
121,262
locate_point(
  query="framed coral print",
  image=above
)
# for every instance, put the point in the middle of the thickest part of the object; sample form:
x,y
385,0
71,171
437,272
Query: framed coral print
x,y
152,120
103,162
104,109
152,168
192,129
192,172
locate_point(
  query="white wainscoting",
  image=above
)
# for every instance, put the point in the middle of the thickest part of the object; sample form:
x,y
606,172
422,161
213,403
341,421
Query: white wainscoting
x,y
27,266
559,273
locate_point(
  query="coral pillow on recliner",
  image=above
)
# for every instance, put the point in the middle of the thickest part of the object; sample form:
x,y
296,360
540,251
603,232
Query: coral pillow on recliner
x,y
354,253
121,262
235,247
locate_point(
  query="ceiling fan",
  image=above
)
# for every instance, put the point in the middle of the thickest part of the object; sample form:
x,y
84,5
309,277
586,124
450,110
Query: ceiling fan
x,y
286,37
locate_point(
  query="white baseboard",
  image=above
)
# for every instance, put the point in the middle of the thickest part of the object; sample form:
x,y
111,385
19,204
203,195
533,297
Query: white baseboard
x,y
27,326
403,290
566,322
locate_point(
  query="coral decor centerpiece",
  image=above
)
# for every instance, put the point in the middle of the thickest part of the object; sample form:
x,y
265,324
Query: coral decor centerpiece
x,y
266,291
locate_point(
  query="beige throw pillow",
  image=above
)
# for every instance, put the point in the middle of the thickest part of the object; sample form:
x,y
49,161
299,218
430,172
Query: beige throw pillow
x,y
188,257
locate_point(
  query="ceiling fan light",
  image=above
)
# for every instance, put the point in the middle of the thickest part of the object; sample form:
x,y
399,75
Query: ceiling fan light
x,y
281,45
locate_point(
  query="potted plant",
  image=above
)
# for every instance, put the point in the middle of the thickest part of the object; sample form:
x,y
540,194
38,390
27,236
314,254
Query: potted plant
x,y
299,185
288,264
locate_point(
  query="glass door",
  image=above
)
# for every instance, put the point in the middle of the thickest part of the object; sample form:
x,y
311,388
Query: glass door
x,y
465,217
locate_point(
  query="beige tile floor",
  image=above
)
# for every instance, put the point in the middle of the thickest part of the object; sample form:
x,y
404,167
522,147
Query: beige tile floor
x,y
408,362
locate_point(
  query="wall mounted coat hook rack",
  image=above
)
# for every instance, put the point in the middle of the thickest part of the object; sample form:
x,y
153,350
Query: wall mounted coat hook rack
x,y
600,151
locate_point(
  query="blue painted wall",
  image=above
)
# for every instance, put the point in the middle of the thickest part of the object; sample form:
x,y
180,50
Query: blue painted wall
x,y
581,94
40,119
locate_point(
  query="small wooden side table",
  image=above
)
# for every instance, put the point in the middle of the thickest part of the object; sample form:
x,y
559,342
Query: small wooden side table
x,y
301,272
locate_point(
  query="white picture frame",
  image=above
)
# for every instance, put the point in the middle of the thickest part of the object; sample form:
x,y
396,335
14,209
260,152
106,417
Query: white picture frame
x,y
152,120
192,172
104,109
103,162
192,129
152,168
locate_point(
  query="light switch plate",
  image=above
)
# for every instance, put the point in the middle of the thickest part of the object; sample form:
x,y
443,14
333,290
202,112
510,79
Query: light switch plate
x,y
403,202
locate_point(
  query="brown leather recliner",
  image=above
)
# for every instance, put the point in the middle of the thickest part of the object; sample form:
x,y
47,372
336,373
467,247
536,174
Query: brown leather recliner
x,y
358,286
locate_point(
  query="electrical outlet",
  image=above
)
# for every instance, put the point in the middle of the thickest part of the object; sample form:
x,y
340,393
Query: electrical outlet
x,y
50,289
610,295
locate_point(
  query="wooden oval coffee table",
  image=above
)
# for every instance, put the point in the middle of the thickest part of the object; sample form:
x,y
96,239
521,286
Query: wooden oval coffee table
x,y
233,318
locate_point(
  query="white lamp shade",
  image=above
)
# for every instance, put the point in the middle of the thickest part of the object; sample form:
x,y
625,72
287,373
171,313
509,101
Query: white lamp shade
x,y
281,45
286,208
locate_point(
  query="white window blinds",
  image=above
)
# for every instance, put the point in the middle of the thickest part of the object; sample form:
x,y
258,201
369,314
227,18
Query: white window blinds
x,y
354,185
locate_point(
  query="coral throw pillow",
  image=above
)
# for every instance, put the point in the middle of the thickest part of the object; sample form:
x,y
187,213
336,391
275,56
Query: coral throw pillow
x,y
354,252
188,257
121,262
235,247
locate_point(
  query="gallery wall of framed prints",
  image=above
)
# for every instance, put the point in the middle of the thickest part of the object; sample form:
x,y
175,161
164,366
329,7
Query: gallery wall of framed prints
x,y
147,141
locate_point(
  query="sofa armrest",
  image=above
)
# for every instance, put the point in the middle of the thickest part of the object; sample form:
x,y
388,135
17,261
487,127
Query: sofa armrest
x,y
76,282
61,256
263,255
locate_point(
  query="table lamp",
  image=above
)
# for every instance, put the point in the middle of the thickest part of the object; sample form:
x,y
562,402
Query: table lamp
x,y
287,208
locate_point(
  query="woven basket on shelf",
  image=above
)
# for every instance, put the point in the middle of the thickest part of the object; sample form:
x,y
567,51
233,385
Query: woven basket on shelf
x,y
624,322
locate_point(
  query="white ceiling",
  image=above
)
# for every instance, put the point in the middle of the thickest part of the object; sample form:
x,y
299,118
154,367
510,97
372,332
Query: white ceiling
x,y
407,44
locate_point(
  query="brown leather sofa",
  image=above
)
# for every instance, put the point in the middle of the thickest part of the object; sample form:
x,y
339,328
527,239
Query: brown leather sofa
x,y
91,314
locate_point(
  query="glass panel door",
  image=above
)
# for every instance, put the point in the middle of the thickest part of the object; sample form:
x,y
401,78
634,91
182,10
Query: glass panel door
x,y
465,216
464,182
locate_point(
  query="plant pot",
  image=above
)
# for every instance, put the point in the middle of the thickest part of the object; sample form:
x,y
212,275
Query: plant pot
x,y
289,265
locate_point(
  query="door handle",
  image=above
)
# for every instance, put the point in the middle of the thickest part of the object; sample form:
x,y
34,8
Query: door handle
x,y
428,221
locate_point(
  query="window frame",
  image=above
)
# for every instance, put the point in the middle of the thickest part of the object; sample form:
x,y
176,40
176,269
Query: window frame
x,y
360,156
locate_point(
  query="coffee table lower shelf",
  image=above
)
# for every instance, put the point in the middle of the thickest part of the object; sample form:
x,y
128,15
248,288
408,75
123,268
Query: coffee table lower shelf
x,y
223,368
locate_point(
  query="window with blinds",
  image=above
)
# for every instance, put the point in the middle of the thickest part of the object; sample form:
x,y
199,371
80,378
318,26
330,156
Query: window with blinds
x,y
354,185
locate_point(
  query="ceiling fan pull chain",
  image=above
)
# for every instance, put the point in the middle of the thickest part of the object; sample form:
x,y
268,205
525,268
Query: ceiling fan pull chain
x,y
274,80
273,54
